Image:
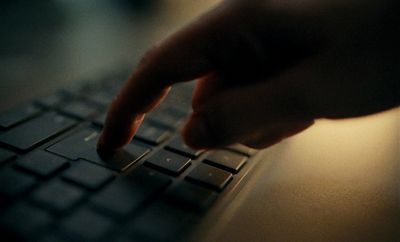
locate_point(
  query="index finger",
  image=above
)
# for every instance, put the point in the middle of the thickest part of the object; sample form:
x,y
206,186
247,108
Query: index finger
x,y
183,56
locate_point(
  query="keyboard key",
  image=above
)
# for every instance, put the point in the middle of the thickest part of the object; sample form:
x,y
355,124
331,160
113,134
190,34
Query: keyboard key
x,y
82,145
226,160
162,222
13,182
50,101
151,133
24,220
86,225
79,109
42,163
101,98
36,131
181,104
177,145
57,196
168,116
17,115
242,149
88,175
5,156
169,162
100,120
192,196
210,176
127,193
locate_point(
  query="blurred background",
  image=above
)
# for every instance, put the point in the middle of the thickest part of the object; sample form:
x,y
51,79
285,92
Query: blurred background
x,y
49,44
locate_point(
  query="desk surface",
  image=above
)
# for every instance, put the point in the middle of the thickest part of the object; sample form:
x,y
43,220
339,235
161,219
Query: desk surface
x,y
337,181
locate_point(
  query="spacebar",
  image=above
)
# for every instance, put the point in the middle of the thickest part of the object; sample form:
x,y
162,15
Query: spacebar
x,y
36,131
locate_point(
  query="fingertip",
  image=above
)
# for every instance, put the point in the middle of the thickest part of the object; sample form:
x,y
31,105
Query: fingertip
x,y
118,132
104,144
101,144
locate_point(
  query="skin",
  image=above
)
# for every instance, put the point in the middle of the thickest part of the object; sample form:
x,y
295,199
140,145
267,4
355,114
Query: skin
x,y
266,69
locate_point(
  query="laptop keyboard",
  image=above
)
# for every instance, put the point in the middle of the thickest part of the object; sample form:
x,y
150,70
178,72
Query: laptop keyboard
x,y
54,186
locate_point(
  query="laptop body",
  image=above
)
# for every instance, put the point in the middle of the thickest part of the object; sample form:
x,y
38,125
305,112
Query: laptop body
x,y
337,181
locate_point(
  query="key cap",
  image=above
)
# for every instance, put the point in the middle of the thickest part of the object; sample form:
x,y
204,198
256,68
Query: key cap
x,y
151,133
57,196
5,156
50,101
127,193
169,162
226,160
17,115
177,145
86,225
210,176
82,145
42,163
192,196
100,120
79,109
24,220
13,183
88,175
181,104
36,131
101,98
162,222
168,116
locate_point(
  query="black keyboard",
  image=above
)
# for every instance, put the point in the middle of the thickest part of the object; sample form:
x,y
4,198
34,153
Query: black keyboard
x,y
55,187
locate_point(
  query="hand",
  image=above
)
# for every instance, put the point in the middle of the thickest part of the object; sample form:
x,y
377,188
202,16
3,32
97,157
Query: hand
x,y
267,69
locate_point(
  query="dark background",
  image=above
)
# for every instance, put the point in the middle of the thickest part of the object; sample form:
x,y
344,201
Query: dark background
x,y
45,45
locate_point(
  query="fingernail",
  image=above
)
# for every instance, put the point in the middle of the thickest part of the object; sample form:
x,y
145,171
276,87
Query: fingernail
x,y
196,134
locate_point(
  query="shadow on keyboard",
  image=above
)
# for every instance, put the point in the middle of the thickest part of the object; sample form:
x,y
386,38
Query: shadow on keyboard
x,y
55,187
